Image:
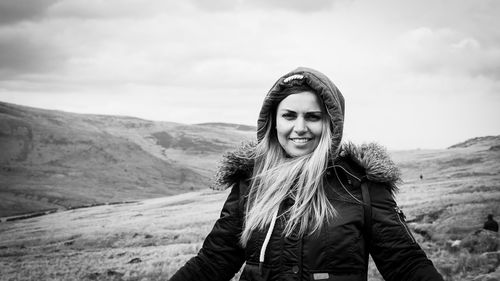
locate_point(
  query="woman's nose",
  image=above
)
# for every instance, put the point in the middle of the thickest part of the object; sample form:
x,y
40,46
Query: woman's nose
x,y
300,126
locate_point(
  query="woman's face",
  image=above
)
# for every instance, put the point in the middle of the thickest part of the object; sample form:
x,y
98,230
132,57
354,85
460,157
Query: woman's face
x,y
299,123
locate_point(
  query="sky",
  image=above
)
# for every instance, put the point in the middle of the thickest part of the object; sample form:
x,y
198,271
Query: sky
x,y
414,74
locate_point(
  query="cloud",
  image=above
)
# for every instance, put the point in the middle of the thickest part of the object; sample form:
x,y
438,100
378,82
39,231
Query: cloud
x,y
147,8
431,51
24,50
294,5
115,9
299,6
23,10
176,50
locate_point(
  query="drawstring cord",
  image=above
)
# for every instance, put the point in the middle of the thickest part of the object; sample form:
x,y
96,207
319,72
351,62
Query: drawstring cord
x,y
343,186
266,241
346,171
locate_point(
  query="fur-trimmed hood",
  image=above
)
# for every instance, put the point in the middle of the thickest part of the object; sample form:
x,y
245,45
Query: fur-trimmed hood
x,y
372,159
367,161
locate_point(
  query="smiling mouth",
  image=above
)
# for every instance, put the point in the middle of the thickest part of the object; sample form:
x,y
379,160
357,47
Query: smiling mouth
x,y
300,140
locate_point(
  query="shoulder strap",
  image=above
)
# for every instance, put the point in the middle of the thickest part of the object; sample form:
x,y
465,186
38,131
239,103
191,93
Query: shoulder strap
x,y
367,206
367,227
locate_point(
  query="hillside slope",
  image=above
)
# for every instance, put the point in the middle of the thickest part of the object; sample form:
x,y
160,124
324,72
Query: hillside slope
x,y
53,159
467,176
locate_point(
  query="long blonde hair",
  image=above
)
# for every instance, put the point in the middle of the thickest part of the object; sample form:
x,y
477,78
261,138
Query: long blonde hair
x,y
277,177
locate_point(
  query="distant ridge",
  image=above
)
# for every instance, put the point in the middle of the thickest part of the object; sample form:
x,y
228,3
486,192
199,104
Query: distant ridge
x,y
18,110
492,141
230,125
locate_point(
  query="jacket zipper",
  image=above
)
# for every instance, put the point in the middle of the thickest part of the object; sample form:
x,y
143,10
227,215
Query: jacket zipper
x,y
300,258
399,214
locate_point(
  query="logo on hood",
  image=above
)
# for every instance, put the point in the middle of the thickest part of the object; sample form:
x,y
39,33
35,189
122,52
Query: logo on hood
x,y
293,77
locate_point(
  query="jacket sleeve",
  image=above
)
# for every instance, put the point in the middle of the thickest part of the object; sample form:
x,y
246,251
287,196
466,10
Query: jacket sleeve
x,y
221,255
393,247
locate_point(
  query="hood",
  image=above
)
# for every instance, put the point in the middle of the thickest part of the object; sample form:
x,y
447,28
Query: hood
x,y
368,160
327,91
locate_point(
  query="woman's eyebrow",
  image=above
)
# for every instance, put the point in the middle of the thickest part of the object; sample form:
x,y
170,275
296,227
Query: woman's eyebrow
x,y
309,112
288,110
315,112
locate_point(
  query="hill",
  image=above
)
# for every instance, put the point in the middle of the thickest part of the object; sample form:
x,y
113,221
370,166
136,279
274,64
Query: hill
x,y
150,239
57,160
491,141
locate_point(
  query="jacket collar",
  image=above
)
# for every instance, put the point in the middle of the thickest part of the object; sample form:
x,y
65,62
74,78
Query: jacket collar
x,y
367,161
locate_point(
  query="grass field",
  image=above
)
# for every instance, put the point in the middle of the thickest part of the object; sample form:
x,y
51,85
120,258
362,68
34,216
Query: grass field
x,y
147,239
151,239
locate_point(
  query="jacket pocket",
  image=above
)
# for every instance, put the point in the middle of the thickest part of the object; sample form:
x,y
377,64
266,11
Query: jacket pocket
x,y
401,219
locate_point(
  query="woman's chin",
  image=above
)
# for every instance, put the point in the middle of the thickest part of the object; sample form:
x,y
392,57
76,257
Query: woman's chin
x,y
298,152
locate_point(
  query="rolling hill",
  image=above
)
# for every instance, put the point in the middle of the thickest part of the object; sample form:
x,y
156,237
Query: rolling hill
x,y
58,160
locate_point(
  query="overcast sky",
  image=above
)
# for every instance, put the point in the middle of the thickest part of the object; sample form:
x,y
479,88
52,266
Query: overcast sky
x,y
415,74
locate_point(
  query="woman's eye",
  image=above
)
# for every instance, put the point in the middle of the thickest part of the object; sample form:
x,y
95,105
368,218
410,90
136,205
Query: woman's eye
x,y
288,116
313,117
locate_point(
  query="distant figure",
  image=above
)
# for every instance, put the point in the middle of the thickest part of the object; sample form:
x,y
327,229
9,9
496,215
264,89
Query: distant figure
x,y
491,224
421,177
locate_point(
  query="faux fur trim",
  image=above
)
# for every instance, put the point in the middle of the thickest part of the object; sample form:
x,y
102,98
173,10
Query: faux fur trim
x,y
377,163
235,165
372,157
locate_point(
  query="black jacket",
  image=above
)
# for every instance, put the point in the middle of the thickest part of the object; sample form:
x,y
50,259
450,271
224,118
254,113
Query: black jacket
x,y
491,224
339,251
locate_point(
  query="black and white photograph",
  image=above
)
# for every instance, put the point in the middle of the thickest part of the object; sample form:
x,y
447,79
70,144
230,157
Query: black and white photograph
x,y
192,140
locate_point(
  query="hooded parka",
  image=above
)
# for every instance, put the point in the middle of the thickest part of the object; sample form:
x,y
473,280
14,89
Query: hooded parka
x,y
339,251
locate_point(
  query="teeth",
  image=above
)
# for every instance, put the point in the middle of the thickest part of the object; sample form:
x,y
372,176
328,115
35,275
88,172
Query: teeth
x,y
301,140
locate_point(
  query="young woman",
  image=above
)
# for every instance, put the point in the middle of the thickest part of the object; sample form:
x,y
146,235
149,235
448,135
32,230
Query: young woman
x,y
304,207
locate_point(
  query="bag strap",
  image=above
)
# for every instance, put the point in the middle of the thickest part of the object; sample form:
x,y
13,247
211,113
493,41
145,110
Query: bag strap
x,y
367,231
367,207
